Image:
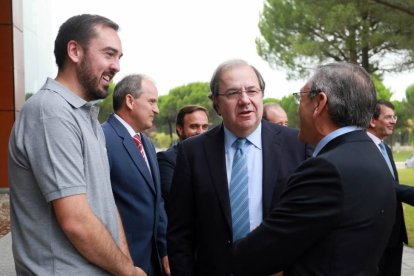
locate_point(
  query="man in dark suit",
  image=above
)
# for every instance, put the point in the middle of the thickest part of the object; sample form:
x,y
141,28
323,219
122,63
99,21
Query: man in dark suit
x,y
191,120
336,213
202,224
134,172
381,126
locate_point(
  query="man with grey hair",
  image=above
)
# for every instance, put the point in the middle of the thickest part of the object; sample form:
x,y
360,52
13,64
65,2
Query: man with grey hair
x,y
274,113
337,211
227,179
135,174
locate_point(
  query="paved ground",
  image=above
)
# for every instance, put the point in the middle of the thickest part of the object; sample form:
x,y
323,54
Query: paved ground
x,y
7,265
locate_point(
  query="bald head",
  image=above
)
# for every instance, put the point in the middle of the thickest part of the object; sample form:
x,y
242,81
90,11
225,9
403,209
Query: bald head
x,y
274,113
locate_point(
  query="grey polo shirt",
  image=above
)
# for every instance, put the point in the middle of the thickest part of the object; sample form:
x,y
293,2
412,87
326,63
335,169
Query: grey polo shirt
x,y
56,149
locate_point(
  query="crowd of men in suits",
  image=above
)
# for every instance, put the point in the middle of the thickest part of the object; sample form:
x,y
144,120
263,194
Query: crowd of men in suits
x,y
247,197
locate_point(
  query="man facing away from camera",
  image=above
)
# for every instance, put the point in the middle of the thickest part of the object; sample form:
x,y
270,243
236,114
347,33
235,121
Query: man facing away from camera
x,y
337,211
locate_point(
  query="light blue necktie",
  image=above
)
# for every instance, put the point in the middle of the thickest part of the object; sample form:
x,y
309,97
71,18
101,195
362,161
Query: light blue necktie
x,y
239,192
386,157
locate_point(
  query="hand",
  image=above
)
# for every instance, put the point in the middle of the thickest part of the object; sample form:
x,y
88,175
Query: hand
x,y
166,266
139,272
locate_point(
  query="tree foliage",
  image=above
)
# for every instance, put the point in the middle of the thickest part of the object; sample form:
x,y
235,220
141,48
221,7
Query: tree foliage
x,y
297,35
193,93
383,93
399,5
105,106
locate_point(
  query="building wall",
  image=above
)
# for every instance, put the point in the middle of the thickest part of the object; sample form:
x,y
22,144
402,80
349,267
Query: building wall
x,y
11,75
26,55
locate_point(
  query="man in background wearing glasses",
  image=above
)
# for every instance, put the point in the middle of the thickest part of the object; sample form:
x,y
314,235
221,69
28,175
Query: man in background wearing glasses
x,y
202,211
381,126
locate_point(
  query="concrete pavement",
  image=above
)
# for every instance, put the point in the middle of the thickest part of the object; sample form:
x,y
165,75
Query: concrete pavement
x,y
6,256
7,263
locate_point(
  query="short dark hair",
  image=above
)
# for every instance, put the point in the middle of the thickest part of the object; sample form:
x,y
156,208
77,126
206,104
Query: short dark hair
x,y
130,84
188,109
80,28
350,91
215,79
377,111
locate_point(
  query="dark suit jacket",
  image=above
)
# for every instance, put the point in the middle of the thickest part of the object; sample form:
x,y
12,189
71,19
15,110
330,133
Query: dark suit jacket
x,y
137,193
334,218
399,232
200,227
166,162
405,194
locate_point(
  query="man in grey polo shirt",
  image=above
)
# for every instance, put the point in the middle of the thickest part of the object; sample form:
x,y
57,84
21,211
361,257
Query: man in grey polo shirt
x,y
64,218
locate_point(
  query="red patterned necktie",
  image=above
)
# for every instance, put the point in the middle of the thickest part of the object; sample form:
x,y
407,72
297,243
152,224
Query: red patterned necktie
x,y
137,140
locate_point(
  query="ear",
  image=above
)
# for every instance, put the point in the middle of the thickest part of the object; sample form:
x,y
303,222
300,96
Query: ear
x,y
214,100
129,101
75,51
179,129
320,104
372,122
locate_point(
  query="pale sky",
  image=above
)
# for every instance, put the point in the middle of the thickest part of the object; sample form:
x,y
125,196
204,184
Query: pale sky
x,y
183,41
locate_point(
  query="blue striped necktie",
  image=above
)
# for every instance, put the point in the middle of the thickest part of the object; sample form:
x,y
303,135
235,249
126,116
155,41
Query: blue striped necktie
x,y
239,192
386,157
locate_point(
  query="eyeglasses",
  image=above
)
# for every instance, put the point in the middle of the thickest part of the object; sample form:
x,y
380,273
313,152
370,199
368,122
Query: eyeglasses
x,y
235,94
390,118
297,96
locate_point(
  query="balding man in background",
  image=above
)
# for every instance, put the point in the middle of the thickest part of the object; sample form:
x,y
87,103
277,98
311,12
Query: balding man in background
x,y
274,113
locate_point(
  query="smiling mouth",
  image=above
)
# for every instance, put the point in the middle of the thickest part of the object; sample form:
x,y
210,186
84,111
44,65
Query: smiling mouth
x,y
107,77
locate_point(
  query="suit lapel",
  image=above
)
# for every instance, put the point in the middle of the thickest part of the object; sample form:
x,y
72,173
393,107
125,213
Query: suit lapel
x,y
271,157
214,152
132,149
152,160
389,152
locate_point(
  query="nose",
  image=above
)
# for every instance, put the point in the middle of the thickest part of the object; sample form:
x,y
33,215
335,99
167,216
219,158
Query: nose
x,y
244,97
115,65
199,130
155,109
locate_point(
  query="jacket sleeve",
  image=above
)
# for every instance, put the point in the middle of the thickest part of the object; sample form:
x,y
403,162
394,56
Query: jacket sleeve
x,y
405,194
181,219
308,209
167,168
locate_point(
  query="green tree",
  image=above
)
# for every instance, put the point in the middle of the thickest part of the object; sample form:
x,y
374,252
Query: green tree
x,y
383,93
297,35
105,105
399,5
28,95
192,93
407,114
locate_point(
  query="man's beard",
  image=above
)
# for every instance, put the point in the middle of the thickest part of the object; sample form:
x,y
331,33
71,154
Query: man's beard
x,y
90,83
